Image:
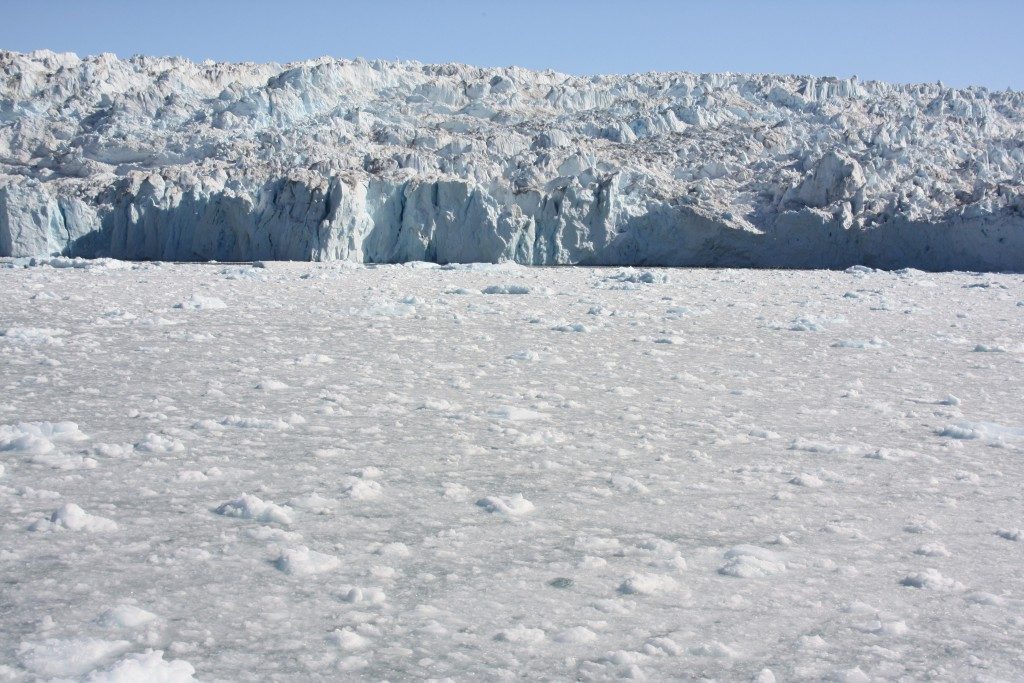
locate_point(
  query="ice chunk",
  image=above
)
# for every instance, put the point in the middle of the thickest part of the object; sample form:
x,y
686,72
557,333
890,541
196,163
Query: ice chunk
x,y
248,506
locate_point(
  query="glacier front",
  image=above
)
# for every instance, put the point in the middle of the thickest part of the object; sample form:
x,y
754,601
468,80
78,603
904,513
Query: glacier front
x,y
382,162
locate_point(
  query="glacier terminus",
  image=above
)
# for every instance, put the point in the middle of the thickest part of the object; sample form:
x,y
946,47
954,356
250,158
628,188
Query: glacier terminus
x,y
384,162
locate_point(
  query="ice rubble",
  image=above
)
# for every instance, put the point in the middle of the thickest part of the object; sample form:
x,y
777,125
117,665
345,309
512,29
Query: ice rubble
x,y
163,158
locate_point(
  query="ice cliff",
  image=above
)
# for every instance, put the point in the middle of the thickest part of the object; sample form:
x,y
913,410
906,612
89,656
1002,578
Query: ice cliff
x,y
163,158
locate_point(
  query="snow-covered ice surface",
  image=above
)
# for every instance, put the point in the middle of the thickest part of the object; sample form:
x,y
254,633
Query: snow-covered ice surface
x,y
490,472
384,162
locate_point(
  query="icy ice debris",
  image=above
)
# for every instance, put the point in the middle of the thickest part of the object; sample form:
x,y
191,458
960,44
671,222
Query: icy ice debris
x,y
248,506
73,518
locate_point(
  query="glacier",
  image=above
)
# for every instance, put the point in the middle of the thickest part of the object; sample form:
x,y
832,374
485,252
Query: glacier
x,y
383,162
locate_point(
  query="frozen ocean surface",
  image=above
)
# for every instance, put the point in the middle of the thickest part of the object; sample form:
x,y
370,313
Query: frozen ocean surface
x,y
330,472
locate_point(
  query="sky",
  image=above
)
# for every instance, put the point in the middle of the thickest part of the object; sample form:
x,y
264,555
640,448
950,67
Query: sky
x,y
958,42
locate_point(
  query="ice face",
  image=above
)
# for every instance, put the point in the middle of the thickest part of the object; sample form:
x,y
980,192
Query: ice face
x,y
163,158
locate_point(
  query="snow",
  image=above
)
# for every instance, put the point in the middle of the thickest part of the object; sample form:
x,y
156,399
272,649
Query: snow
x,y
252,507
513,507
647,584
749,561
149,666
153,158
73,518
931,579
71,657
467,494
198,302
38,437
302,561
126,616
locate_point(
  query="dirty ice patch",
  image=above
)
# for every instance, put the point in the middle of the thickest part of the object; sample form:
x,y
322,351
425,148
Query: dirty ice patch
x,y
198,302
38,438
302,561
73,518
751,562
252,507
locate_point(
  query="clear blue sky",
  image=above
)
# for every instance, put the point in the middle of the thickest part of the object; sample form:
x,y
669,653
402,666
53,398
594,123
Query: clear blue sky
x,y
959,42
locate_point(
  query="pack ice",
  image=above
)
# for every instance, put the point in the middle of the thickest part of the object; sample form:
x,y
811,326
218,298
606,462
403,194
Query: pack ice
x,y
415,472
163,158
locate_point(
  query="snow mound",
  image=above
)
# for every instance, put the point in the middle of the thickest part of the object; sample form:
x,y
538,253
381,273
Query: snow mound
x,y
513,507
751,562
360,489
197,302
126,616
30,336
255,423
73,518
38,438
647,584
873,343
70,657
149,666
159,444
521,634
506,289
930,579
989,431
248,506
302,561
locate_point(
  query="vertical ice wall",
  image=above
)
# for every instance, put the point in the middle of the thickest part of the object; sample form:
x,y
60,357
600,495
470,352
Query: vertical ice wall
x,y
166,159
